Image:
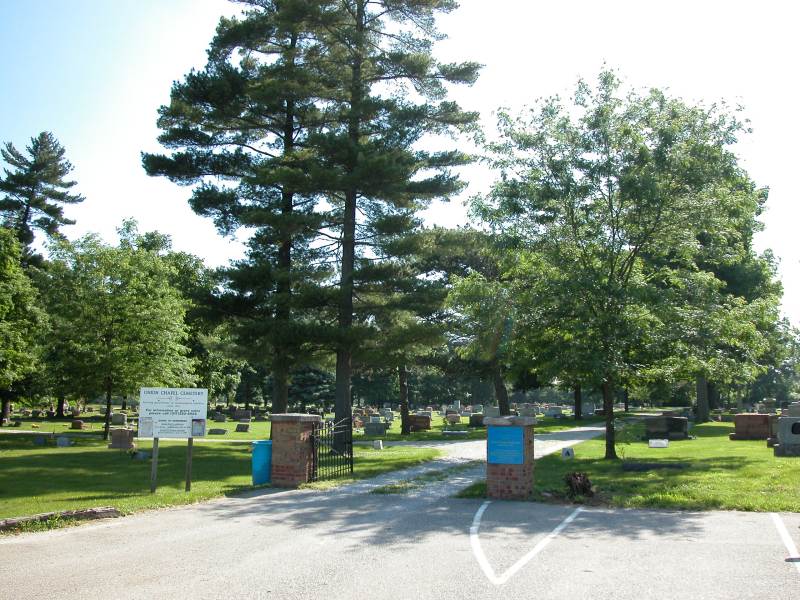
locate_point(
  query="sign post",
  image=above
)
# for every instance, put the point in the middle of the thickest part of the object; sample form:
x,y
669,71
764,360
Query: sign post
x,y
172,413
189,447
154,467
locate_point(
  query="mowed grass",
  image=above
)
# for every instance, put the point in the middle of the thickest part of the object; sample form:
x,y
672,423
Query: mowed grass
x,y
37,479
721,474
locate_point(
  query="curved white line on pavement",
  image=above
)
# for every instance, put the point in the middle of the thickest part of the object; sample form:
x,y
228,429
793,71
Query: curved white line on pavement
x,y
477,550
787,540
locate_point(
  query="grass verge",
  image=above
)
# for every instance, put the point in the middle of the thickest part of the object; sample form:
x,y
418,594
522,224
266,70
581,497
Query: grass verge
x,y
39,479
719,475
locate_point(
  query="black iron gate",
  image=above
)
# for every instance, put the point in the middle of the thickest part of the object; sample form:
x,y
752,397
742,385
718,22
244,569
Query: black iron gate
x,y
332,450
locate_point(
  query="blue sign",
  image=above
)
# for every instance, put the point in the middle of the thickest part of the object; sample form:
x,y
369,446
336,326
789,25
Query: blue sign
x,y
505,445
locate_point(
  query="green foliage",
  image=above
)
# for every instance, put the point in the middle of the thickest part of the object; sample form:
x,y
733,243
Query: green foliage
x,y
620,205
22,322
117,319
35,188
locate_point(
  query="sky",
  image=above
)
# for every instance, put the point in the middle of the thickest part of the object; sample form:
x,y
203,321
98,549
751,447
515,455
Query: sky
x,y
94,72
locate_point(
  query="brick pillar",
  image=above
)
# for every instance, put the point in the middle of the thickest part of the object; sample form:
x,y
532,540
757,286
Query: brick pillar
x,y
509,453
292,458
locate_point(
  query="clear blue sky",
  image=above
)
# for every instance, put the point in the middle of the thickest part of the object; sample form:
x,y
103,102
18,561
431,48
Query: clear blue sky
x,y
95,71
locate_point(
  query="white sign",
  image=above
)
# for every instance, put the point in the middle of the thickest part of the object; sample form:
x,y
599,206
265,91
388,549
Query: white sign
x,y
172,412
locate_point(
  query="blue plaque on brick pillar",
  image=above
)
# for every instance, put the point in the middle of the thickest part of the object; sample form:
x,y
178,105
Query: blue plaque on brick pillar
x,y
505,445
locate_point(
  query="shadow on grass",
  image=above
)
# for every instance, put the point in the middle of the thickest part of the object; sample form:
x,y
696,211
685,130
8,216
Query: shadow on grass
x,y
30,471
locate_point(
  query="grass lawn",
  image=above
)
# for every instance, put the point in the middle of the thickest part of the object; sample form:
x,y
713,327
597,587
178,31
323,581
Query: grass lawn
x,y
37,479
721,474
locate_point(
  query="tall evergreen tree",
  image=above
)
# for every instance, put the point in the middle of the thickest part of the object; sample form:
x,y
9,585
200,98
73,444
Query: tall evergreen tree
x,y
33,191
390,93
246,119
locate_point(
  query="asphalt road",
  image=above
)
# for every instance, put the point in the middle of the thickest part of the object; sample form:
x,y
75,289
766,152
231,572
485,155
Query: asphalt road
x,y
349,544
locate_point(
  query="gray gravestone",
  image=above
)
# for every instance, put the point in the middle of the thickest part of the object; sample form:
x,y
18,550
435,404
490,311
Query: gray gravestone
x,y
119,419
242,427
217,431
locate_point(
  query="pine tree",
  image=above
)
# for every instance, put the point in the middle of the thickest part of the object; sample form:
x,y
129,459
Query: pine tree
x,y
246,119
35,189
391,93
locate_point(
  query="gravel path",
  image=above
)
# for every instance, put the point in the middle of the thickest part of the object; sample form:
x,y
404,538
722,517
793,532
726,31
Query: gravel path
x,y
458,455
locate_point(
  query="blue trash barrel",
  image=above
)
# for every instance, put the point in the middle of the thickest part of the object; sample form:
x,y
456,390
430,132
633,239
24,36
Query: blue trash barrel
x,y
262,462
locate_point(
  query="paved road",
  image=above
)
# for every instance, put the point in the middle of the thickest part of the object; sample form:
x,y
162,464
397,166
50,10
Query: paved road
x,y
348,544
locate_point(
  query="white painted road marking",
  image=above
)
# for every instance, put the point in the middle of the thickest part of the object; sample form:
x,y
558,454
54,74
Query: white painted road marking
x,y
481,557
787,540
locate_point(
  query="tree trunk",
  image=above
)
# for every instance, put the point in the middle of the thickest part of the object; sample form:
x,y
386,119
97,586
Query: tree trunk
x,y
578,410
107,426
713,396
60,405
280,386
402,376
5,411
608,408
625,398
500,390
283,310
344,368
701,415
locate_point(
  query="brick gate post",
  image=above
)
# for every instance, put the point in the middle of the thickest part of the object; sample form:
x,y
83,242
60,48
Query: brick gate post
x,y
509,455
292,456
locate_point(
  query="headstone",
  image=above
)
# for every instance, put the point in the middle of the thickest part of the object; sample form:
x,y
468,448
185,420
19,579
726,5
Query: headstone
x,y
749,426
477,408
17,424
238,415
587,409
554,411
377,444
375,428
219,418
476,420
122,439
656,443
244,420
260,419
664,427
567,453
419,422
453,419
77,424
217,431
375,420
491,411
465,413
424,413
793,410
788,437
119,419
388,415
63,441
242,427
457,404
527,411
770,405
